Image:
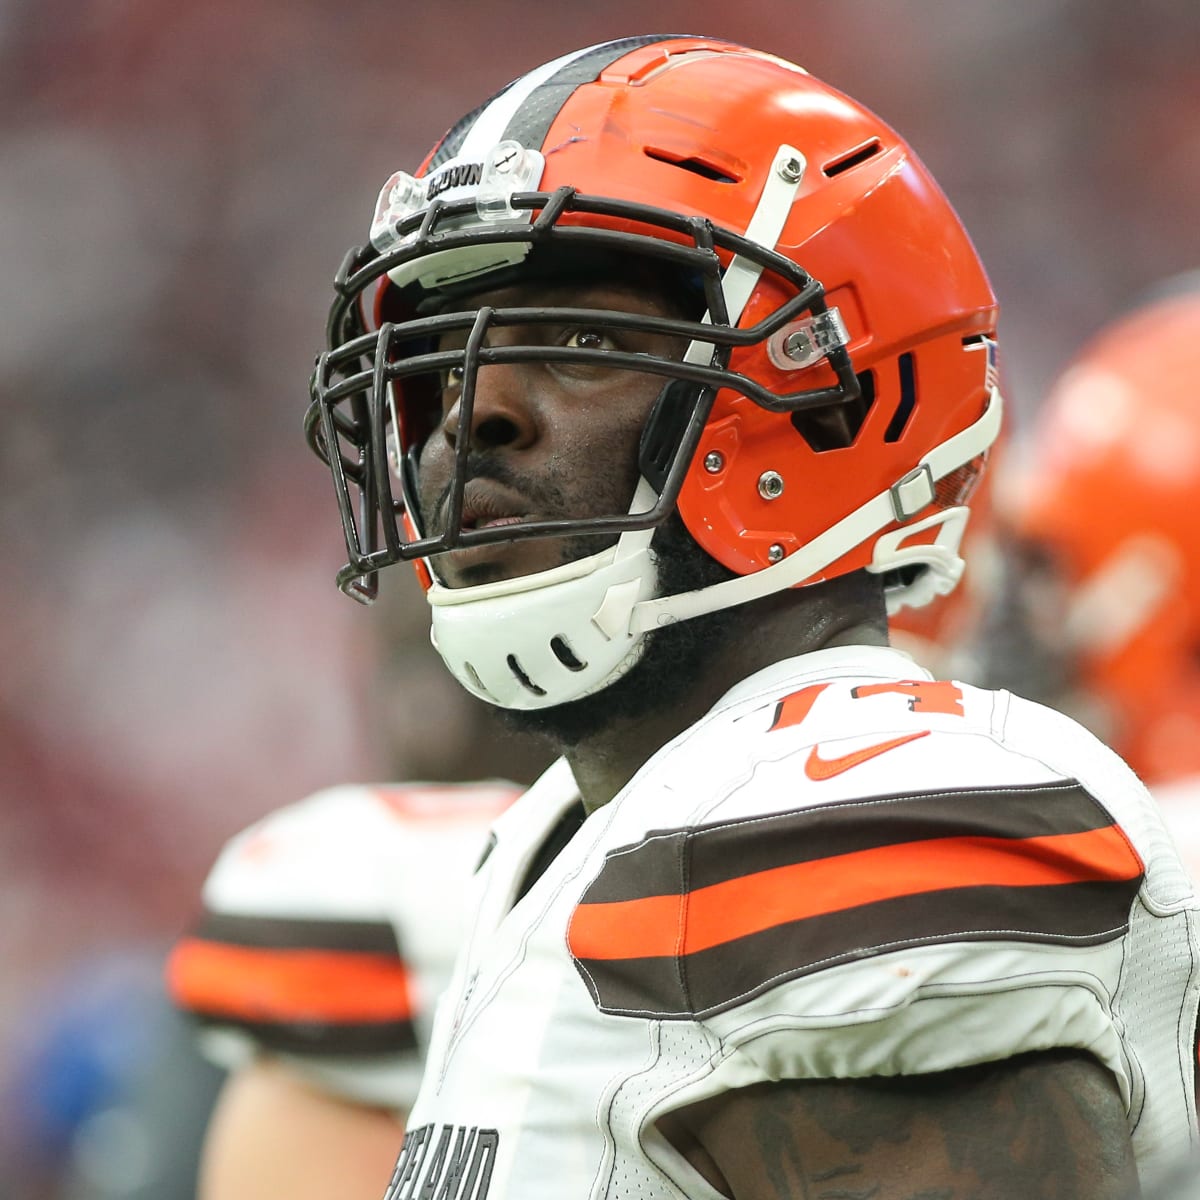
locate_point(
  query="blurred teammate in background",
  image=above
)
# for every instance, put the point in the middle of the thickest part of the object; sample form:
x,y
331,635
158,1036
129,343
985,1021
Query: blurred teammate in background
x,y
328,930
355,887
1100,607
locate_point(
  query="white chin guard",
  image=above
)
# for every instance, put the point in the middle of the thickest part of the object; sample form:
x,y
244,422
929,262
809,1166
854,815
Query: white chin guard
x,y
548,638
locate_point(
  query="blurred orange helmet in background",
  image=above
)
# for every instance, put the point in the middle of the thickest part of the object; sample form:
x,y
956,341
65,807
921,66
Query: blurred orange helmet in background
x,y
1105,510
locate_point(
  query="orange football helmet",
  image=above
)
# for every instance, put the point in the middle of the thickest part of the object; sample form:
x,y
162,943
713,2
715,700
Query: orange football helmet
x,y
832,411
1107,510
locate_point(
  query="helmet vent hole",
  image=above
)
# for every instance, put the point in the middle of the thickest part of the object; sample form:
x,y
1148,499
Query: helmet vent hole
x,y
835,426
515,667
565,655
706,169
474,674
908,400
859,154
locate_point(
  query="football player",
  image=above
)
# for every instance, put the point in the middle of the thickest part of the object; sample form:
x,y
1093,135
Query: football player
x,y
1101,605
328,929
671,370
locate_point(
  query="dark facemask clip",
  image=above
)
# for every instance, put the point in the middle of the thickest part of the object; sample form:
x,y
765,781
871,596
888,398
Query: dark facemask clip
x,y
665,428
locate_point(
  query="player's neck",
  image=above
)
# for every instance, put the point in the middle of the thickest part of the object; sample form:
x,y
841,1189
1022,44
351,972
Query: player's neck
x,y
607,760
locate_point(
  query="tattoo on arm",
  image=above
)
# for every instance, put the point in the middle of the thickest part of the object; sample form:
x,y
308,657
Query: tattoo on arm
x,y
1045,1125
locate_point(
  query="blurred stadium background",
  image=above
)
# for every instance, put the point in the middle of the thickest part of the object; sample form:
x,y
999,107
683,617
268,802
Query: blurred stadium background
x,y
178,183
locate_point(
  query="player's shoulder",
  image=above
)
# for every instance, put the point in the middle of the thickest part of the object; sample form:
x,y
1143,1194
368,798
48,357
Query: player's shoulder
x,y
906,761
328,926
864,809
328,853
876,789
837,724
867,721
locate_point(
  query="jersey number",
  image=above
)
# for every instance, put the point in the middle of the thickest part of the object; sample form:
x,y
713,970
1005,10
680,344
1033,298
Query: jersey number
x,y
923,695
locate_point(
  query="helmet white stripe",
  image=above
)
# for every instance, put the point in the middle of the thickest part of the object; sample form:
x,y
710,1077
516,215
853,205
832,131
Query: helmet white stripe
x,y
738,284
493,121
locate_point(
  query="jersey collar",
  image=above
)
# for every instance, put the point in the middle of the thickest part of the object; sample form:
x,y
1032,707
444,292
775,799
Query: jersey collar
x,y
836,662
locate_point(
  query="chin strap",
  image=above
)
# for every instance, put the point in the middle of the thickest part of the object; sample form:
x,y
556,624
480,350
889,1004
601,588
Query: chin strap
x,y
903,499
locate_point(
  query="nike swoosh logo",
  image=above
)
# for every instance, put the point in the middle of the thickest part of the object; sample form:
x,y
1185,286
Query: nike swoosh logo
x,y
818,768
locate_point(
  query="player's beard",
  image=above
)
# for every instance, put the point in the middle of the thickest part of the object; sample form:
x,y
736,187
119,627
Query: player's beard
x,y
674,659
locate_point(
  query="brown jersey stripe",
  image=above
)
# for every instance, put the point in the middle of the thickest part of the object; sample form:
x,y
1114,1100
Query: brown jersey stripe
x,y
298,933
670,861
252,984
708,981
707,916
317,1039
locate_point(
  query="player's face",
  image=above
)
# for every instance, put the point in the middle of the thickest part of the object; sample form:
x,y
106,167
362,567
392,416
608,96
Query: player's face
x,y
548,440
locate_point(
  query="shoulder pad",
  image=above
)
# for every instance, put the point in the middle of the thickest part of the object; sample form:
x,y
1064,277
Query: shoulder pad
x,y
301,943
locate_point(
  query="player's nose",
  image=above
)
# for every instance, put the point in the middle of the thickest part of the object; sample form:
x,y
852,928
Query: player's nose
x,y
496,410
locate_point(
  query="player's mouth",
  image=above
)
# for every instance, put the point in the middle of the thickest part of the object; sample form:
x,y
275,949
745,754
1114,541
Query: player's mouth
x,y
472,520
487,505
492,506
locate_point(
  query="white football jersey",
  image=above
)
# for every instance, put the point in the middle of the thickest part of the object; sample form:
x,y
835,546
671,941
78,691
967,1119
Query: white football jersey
x,y
1179,802
845,869
330,927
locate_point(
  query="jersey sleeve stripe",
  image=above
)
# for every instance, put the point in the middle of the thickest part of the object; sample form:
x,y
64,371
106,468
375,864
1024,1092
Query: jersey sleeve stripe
x,y
751,903
824,884
319,1041
297,933
709,981
277,985
669,861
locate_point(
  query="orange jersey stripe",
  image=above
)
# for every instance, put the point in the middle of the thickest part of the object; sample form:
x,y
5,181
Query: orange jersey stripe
x,y
253,984
655,926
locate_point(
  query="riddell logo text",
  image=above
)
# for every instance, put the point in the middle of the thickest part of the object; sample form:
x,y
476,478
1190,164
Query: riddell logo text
x,y
462,175
455,1165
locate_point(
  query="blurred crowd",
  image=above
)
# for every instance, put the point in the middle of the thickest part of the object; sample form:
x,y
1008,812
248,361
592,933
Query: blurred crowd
x,y
178,184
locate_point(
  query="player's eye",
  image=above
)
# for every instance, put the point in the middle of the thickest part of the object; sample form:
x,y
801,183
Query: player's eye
x,y
589,339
